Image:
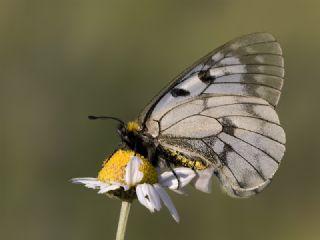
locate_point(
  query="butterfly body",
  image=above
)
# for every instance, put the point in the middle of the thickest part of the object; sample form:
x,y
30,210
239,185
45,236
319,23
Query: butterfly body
x,y
220,112
148,146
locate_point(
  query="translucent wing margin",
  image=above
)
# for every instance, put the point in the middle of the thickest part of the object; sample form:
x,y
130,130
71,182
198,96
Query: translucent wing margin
x,y
221,110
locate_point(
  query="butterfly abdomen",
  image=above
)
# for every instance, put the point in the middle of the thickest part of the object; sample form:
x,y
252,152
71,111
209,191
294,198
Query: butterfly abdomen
x,y
179,159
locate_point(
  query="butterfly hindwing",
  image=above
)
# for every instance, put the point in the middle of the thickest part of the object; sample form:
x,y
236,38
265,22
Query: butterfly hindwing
x,y
240,136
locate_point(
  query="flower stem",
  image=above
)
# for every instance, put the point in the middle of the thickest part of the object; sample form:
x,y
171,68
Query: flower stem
x,y
123,219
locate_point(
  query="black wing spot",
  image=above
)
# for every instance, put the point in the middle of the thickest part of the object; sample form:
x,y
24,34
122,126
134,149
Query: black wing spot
x,y
223,155
178,92
228,126
205,77
229,130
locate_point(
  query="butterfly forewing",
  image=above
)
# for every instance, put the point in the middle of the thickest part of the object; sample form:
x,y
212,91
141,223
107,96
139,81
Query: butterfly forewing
x,y
221,111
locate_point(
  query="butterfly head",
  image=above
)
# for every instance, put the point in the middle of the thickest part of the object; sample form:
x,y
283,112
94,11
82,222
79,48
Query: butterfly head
x,y
129,132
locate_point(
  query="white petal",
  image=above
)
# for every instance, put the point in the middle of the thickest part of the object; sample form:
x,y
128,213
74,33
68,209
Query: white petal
x,y
202,181
124,186
180,191
148,197
167,202
169,180
153,197
133,175
89,182
141,196
108,188
96,184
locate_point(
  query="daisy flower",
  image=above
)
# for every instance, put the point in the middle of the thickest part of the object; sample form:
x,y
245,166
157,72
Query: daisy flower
x,y
128,175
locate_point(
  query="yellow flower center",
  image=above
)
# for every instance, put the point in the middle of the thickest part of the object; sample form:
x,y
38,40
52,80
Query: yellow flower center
x,y
113,169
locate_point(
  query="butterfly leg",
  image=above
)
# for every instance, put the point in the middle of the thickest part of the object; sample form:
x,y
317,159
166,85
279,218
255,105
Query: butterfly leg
x,y
173,172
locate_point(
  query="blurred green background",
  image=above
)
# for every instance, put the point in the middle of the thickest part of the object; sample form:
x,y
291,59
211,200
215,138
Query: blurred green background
x,y
63,60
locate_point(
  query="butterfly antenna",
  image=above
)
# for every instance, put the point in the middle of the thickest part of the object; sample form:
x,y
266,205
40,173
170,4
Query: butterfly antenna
x,y
106,117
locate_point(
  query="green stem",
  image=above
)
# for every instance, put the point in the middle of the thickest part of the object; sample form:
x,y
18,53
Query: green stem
x,y
123,219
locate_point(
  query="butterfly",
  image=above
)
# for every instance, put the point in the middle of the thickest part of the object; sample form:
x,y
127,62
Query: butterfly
x,y
219,113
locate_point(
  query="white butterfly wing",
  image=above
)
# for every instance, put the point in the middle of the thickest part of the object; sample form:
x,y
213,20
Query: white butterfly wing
x,y
240,136
221,111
